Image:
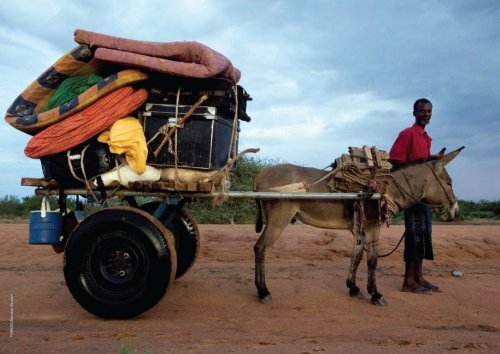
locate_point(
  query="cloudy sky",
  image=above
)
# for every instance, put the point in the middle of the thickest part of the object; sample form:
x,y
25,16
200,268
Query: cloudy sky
x,y
324,75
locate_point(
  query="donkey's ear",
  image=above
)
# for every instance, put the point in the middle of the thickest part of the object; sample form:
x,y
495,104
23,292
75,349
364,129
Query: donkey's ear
x,y
450,156
441,153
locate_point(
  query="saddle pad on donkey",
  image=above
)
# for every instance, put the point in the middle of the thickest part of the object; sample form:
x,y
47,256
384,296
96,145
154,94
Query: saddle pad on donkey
x,y
87,123
26,112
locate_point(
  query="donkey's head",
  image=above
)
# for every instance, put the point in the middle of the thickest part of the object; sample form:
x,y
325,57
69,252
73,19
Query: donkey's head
x,y
439,191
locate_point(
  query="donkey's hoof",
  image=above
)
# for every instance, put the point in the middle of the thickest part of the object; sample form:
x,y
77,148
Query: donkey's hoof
x,y
355,292
266,299
378,299
357,295
379,302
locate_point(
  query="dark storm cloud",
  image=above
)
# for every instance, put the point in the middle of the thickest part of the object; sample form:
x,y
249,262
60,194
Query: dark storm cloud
x,y
324,74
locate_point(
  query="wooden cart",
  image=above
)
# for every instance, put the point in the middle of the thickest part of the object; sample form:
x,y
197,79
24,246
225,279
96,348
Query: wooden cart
x,y
120,261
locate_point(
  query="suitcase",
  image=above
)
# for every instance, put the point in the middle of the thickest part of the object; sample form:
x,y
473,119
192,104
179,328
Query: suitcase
x,y
163,90
203,142
97,159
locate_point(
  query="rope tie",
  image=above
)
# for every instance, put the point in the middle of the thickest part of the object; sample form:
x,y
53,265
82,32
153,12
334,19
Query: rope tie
x,y
167,137
176,157
70,164
415,200
222,178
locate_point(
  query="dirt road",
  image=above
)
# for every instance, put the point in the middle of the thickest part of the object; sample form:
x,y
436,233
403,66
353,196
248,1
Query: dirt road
x,y
214,308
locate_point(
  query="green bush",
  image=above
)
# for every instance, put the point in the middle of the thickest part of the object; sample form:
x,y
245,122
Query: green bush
x,y
10,206
482,214
237,211
232,211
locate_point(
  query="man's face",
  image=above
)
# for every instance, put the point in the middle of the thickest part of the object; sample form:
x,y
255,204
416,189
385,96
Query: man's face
x,y
423,114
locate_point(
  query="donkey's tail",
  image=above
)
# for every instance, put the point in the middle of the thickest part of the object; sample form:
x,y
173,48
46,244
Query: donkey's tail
x,y
259,220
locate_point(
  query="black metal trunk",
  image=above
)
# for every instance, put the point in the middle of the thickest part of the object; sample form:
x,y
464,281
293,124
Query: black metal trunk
x,y
204,141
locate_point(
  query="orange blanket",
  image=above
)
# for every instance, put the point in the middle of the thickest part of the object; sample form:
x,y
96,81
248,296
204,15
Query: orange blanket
x,y
84,125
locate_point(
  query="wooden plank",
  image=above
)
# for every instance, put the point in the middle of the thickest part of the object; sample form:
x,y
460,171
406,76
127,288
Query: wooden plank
x,y
39,182
376,156
346,159
205,186
368,154
135,185
167,185
355,154
179,186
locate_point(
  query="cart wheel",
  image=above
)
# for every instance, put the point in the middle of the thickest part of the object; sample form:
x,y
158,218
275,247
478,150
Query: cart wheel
x,y
186,234
119,262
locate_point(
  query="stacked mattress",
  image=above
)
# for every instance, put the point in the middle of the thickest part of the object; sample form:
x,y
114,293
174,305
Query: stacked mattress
x,y
128,72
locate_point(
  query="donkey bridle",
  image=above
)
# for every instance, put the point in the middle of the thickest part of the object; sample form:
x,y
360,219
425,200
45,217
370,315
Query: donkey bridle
x,y
450,200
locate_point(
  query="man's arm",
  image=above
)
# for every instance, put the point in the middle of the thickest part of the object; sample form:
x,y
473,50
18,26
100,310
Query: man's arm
x,y
398,152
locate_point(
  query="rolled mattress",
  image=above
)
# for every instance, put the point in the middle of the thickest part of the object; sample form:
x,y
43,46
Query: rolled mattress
x,y
25,113
84,125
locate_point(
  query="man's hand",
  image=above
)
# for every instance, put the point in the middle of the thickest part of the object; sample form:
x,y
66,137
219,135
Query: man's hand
x,y
438,156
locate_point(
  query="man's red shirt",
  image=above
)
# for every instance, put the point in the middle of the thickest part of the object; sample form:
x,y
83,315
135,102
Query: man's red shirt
x,y
412,144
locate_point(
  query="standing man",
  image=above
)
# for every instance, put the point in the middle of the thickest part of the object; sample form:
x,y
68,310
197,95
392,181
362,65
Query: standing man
x,y
413,145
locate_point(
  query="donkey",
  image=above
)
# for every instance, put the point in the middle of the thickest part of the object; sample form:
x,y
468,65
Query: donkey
x,y
426,182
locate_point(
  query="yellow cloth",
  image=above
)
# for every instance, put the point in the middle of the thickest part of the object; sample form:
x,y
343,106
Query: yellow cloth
x,y
127,137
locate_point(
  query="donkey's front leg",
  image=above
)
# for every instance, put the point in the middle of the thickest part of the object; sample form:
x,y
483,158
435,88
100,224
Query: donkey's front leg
x,y
357,253
372,257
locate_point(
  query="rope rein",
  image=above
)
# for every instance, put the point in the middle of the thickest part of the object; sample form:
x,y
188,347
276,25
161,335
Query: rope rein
x,y
321,179
450,200
393,250
434,206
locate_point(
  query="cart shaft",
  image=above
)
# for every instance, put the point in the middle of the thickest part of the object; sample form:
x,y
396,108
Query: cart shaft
x,y
230,194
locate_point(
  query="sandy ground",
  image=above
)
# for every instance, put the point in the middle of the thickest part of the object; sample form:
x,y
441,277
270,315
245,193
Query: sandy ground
x,y
214,307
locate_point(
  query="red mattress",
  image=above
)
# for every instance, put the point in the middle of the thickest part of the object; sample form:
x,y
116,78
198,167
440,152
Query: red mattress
x,y
188,59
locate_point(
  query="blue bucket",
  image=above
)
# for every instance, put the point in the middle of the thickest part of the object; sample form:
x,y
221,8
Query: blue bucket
x,y
45,226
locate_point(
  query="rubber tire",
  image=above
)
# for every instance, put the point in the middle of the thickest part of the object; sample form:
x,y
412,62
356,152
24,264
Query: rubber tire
x,y
146,257
186,235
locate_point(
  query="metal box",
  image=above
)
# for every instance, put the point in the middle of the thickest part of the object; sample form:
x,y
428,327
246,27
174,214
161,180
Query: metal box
x,y
222,93
203,142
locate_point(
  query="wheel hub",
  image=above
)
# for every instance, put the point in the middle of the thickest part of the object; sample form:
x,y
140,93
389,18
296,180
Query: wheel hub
x,y
119,263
